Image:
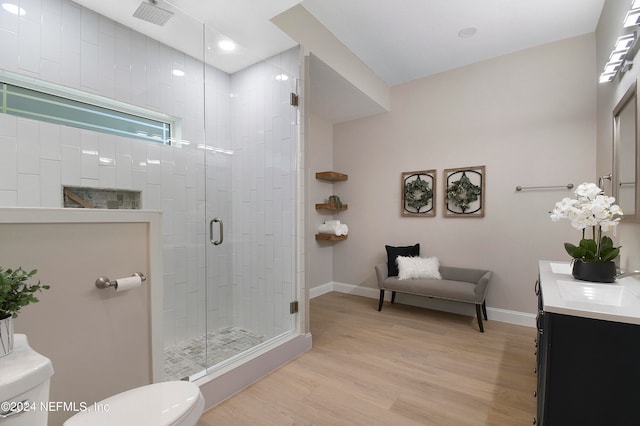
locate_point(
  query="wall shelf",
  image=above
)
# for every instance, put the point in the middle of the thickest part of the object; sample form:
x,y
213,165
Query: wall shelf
x,y
327,206
330,237
331,176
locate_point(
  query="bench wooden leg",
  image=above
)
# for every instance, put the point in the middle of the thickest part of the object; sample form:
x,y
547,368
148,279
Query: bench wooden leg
x,y
381,300
484,309
479,316
393,297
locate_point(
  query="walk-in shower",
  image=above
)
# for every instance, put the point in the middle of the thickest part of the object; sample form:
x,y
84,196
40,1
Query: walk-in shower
x,y
124,114
230,244
233,276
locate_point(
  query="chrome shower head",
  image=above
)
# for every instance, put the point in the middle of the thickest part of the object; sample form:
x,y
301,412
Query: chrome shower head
x,y
151,13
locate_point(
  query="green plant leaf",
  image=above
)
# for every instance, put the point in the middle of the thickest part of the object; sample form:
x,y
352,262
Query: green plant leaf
x,y
606,243
590,249
589,245
610,254
574,251
15,292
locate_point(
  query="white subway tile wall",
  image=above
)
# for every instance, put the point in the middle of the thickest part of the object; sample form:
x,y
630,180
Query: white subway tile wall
x,y
251,186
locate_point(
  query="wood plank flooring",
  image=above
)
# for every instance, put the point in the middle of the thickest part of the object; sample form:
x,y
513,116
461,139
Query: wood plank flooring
x,y
401,366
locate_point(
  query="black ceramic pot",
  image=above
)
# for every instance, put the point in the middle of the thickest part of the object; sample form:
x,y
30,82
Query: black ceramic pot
x,y
594,271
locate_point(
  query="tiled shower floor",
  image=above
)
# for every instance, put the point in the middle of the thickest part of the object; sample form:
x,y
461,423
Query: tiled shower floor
x,y
189,358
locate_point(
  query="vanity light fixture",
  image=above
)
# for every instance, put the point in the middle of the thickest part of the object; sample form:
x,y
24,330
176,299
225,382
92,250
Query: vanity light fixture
x,y
612,67
617,55
625,42
617,60
632,18
606,78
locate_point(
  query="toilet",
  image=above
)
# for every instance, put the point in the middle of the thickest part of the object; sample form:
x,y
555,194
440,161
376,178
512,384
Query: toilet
x,y
25,376
175,403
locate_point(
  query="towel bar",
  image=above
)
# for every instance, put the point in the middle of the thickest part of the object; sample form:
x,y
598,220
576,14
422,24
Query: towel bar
x,y
568,186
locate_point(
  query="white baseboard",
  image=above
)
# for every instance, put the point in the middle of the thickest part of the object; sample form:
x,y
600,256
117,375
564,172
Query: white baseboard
x,y
512,317
495,314
320,290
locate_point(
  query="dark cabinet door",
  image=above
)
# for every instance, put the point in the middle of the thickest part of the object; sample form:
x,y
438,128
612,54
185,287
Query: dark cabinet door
x,y
589,372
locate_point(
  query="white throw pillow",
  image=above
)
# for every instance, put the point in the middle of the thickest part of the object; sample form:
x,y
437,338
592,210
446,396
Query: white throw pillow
x,y
418,267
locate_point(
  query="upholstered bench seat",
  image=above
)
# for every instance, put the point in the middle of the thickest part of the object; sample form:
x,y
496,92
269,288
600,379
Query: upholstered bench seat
x,y
457,284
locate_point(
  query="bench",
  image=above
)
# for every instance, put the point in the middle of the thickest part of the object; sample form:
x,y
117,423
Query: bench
x,y
457,284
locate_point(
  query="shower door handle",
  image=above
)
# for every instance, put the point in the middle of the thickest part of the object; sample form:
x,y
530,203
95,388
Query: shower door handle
x,y
219,241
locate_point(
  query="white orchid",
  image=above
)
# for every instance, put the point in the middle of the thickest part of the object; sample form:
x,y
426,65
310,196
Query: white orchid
x,y
590,209
588,190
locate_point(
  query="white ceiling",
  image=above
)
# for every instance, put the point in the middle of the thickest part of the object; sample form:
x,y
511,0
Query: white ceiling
x,y
246,22
404,40
399,40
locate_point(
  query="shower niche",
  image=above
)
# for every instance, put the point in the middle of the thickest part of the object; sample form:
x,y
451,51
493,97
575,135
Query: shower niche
x,y
98,198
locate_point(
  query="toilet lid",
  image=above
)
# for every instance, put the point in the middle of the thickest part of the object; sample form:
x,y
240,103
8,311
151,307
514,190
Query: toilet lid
x,y
154,405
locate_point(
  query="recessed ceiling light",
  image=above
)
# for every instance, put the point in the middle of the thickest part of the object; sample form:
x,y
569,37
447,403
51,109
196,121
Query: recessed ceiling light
x,y
14,9
467,32
226,45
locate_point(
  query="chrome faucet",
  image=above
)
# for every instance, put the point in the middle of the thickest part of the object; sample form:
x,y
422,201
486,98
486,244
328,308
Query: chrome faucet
x,y
628,274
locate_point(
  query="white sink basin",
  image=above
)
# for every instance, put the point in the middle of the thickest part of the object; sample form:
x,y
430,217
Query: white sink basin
x,y
599,294
560,268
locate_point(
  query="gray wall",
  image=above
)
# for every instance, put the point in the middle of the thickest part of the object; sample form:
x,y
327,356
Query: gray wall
x,y
529,117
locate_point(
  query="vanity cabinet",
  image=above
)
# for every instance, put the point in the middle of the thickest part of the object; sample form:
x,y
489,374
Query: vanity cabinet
x,y
588,369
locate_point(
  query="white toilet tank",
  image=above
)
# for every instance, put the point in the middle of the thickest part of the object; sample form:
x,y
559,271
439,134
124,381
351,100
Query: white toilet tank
x,y
24,385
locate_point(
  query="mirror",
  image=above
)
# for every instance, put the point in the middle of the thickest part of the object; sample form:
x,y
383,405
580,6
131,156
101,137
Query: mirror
x,y
625,152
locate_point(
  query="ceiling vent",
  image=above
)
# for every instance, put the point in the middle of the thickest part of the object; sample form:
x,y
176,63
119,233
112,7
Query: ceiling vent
x,y
151,13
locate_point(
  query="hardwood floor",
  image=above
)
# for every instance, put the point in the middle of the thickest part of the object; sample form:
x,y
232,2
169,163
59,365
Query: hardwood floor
x,y
401,366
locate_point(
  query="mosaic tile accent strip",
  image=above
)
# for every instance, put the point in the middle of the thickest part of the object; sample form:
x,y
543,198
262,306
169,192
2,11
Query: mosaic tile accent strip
x,y
194,356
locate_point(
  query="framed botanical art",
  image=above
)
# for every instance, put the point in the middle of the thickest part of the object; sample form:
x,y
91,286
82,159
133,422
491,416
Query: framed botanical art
x,y
419,193
464,192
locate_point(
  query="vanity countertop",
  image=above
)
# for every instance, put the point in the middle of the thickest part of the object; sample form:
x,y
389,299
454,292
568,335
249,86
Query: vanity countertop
x,y
562,294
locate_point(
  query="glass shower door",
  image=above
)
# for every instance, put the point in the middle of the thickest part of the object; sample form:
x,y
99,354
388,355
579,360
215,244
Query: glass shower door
x,y
227,185
251,154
